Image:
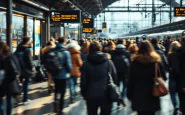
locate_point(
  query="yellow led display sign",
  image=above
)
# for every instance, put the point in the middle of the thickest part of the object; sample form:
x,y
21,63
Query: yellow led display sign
x,y
179,11
65,16
88,25
104,26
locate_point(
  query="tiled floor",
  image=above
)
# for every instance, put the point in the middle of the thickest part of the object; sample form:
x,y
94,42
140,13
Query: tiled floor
x,y
41,104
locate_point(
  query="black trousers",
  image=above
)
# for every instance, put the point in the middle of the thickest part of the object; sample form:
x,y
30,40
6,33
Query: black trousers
x,y
60,88
182,101
94,104
145,113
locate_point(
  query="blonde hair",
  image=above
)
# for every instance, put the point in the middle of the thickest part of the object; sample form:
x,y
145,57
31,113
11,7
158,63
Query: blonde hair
x,y
133,48
174,46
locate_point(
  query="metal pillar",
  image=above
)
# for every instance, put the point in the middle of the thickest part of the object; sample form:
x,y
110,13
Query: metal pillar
x,y
170,11
25,26
180,3
153,13
48,26
9,24
34,38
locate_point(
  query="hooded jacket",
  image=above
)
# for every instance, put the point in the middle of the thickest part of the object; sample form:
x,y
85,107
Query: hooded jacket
x,y
140,83
94,79
162,54
27,55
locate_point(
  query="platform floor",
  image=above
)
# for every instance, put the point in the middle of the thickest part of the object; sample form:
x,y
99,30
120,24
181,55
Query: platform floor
x,y
41,104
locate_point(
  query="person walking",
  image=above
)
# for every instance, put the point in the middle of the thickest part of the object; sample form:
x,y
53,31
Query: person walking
x,y
61,79
172,75
74,50
49,46
25,59
141,80
9,86
94,80
180,74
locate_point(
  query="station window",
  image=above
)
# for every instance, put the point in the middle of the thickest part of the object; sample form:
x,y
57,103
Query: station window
x,y
3,26
37,38
17,30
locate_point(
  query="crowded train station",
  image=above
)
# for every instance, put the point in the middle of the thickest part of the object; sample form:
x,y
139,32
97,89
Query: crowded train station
x,y
92,57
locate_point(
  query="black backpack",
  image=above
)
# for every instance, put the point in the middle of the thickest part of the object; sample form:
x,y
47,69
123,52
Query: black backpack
x,y
52,61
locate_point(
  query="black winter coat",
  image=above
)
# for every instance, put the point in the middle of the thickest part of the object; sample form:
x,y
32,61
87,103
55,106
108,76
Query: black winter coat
x,y
163,56
27,56
140,84
121,58
180,68
9,83
94,78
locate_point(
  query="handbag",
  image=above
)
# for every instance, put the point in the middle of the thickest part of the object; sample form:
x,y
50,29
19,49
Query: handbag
x,y
159,88
114,93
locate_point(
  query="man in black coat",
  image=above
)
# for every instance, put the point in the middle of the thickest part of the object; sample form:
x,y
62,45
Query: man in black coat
x,y
160,52
180,77
121,58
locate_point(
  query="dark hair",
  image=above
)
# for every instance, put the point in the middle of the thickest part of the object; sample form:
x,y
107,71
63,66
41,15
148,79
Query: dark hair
x,y
183,39
61,39
49,43
95,46
120,41
25,39
154,41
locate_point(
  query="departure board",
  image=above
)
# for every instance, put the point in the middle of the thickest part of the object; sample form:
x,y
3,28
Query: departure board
x,y
88,25
179,11
65,16
104,26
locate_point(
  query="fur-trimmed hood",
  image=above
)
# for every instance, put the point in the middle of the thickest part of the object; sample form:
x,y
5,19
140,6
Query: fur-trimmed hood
x,y
153,58
73,45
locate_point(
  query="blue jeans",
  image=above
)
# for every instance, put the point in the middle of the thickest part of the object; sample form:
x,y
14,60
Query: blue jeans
x,y
25,90
72,86
9,104
173,93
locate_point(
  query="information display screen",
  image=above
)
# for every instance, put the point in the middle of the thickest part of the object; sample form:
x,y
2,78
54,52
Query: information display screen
x,y
179,11
104,26
88,25
65,16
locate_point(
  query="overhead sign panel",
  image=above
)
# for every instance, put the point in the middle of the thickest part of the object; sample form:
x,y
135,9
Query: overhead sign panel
x,y
65,16
88,25
179,11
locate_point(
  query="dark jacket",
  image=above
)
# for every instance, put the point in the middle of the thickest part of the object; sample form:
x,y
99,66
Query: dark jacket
x,y
172,67
180,68
27,56
121,58
94,79
9,83
163,56
140,84
65,61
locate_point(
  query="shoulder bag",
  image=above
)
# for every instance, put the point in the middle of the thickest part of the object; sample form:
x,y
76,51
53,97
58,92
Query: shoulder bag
x,y
159,88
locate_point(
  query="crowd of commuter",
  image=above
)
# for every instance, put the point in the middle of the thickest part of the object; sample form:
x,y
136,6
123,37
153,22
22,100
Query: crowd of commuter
x,y
93,65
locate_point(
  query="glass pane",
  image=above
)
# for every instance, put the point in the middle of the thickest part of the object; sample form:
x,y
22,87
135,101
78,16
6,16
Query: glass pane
x,y
17,30
3,26
37,37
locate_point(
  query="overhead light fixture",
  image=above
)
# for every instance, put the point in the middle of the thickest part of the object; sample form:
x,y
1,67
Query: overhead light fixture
x,y
35,4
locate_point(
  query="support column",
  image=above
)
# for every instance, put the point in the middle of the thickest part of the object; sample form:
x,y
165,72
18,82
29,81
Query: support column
x,y
153,13
170,11
9,23
33,38
180,3
48,27
25,26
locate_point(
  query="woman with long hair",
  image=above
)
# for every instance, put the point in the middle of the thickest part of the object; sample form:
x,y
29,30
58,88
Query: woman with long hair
x,y
133,49
140,84
9,86
172,74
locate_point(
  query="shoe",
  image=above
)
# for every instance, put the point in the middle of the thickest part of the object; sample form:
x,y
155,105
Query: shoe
x,y
122,102
27,102
55,107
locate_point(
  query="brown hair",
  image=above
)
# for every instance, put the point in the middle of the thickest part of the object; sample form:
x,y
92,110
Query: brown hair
x,y
174,46
95,46
85,47
4,48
